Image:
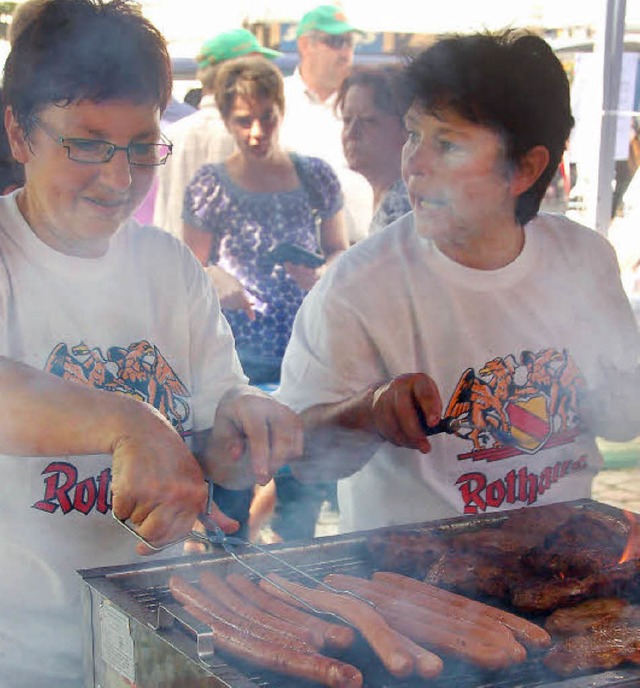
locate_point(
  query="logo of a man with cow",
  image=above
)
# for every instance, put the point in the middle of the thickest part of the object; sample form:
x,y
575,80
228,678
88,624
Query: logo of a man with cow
x,y
510,407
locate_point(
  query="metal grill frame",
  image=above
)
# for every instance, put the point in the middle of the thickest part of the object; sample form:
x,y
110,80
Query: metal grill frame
x,y
141,592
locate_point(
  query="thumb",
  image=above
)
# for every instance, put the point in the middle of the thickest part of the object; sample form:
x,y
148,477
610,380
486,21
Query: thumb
x,y
216,517
247,307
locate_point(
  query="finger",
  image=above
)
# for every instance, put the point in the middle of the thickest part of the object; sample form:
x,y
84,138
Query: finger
x,y
258,438
234,449
427,397
145,551
219,518
287,438
194,547
122,505
410,430
165,526
247,307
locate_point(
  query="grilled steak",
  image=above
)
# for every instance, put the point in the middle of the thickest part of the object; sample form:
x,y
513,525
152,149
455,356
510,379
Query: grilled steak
x,y
622,580
603,647
585,544
585,616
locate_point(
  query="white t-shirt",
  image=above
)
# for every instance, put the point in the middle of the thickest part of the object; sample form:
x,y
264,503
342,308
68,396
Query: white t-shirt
x,y
311,127
141,319
509,350
198,139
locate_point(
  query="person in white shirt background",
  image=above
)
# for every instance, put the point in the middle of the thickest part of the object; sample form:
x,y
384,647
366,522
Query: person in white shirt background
x,y
311,125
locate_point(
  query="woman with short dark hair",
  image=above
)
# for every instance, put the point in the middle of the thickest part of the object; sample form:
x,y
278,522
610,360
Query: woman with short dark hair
x,y
91,303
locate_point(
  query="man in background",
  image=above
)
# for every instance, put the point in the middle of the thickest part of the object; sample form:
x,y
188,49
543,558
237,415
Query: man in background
x,y
311,126
202,137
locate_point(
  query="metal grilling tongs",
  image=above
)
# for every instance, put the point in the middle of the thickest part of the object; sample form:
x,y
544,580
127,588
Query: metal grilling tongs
x,y
214,535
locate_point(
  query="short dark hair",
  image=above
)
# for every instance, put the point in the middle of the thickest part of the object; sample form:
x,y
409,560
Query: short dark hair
x,y
24,13
388,86
76,50
247,77
511,82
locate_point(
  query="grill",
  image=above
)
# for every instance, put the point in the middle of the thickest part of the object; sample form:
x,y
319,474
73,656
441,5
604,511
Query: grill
x,y
136,634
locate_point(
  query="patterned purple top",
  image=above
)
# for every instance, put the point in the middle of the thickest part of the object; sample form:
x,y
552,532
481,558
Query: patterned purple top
x,y
245,225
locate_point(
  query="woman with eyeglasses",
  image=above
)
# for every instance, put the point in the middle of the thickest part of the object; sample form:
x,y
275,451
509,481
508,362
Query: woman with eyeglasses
x,y
239,212
115,359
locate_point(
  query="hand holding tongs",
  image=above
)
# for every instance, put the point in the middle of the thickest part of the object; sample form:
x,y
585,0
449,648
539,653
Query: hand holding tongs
x,y
228,542
219,537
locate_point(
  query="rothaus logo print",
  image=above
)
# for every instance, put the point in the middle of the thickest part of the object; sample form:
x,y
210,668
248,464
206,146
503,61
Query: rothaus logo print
x,y
138,370
516,407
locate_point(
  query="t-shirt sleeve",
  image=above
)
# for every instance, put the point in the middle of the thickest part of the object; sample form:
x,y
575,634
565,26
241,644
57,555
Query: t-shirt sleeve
x,y
330,355
205,201
214,362
323,186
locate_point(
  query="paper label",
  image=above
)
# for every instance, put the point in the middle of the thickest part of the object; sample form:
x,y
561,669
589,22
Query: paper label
x,y
117,644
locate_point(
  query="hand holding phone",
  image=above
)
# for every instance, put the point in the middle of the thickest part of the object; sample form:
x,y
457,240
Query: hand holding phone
x,y
287,252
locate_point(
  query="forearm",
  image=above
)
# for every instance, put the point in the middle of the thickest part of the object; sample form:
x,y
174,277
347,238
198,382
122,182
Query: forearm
x,y
333,237
41,414
330,256
339,438
219,277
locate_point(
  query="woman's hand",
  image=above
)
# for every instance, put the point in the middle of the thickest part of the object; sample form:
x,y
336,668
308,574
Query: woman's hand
x,y
233,296
399,406
157,483
253,435
302,275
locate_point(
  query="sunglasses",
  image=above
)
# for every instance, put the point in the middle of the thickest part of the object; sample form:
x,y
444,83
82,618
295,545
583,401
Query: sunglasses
x,y
336,41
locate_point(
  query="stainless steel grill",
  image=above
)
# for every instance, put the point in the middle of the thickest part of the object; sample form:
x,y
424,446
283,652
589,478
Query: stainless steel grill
x,y
137,635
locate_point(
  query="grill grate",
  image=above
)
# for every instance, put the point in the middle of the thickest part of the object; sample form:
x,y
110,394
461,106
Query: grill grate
x,y
143,591
458,674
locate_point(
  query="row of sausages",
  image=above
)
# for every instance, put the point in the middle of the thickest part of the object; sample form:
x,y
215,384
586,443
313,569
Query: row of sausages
x,y
406,622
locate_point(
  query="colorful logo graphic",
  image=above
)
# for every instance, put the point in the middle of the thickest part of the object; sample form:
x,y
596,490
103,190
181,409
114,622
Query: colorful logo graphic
x,y
509,408
139,370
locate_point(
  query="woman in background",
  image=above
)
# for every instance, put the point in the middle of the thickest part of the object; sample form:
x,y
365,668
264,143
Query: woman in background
x,y
372,102
235,212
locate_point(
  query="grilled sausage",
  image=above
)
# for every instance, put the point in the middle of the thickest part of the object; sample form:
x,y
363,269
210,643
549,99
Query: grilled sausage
x,y
210,605
322,630
383,641
440,636
224,593
336,635
427,663
469,649
384,596
529,634
311,667
428,603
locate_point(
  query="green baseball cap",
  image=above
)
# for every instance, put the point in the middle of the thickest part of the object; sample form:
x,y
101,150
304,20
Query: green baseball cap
x,y
230,44
326,18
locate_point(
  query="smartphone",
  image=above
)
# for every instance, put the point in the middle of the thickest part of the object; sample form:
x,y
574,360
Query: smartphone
x,y
287,252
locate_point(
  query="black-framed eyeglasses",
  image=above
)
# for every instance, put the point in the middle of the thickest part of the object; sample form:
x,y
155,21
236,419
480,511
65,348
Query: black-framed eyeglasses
x,y
336,41
97,152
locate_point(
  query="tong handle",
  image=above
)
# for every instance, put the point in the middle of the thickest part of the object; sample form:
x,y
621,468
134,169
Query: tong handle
x,y
448,425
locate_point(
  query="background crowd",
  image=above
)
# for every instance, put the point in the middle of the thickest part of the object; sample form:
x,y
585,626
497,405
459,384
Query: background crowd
x,y
350,284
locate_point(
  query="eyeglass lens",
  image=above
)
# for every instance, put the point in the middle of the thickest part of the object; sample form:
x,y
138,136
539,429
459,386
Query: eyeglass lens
x,y
90,151
338,41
